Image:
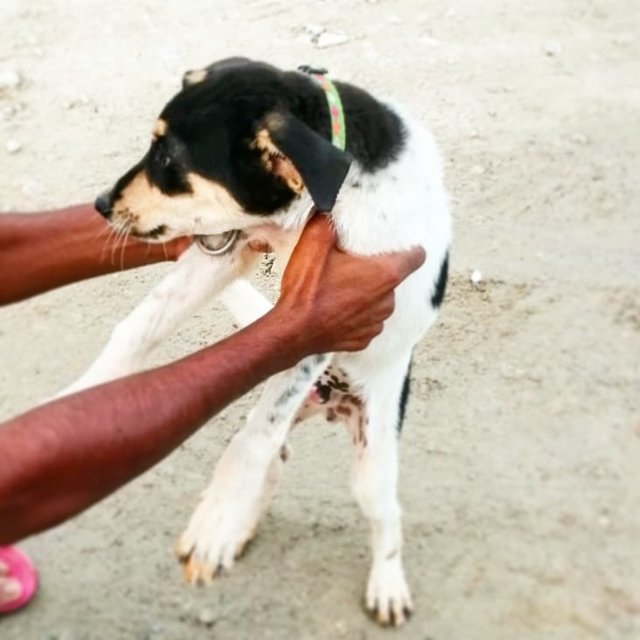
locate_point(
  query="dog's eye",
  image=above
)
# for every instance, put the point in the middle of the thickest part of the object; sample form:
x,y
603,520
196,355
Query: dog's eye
x,y
160,157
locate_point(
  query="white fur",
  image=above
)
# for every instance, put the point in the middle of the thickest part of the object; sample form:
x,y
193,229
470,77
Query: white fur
x,y
392,209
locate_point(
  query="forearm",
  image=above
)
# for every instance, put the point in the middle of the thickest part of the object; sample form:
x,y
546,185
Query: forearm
x,y
41,251
62,457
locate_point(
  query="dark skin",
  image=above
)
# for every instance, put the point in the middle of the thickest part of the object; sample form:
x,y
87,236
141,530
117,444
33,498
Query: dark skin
x,y
42,251
70,453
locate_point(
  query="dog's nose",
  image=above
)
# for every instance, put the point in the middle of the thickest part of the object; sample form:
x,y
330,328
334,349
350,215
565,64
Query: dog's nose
x,y
103,204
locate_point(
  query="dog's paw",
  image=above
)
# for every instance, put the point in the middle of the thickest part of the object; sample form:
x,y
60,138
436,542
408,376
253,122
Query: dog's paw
x,y
388,599
227,517
215,538
205,559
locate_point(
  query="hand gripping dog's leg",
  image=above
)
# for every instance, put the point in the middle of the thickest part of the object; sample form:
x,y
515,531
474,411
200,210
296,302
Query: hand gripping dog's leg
x,y
374,484
195,278
245,476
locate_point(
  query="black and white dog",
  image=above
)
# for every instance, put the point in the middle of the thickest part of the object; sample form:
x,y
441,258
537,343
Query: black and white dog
x,y
245,146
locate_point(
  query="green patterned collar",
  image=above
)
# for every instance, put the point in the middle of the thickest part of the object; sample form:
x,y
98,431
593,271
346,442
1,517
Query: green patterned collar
x,y
334,102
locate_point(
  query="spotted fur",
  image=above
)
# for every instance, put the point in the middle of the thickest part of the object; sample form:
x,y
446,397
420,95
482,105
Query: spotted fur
x,y
233,149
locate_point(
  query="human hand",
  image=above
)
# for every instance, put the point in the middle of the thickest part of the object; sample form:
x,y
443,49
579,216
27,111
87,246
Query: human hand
x,y
336,301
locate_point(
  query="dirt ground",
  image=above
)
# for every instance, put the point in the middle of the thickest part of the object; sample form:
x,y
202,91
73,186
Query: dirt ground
x,y
520,475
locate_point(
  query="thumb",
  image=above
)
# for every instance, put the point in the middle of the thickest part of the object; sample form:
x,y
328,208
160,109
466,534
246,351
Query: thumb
x,y
401,264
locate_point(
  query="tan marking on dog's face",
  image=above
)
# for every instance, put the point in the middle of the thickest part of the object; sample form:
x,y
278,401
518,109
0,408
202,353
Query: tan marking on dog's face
x,y
276,162
208,209
159,129
194,77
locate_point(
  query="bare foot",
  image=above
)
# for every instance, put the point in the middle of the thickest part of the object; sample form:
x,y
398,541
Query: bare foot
x,y
10,589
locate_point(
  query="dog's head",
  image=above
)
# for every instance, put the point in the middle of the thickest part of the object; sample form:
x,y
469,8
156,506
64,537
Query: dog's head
x,y
233,146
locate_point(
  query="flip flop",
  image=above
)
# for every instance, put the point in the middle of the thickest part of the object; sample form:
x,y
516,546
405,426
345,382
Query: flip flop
x,y
20,569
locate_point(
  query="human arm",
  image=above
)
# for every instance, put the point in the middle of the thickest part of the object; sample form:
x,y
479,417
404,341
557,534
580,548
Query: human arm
x,y
60,458
41,251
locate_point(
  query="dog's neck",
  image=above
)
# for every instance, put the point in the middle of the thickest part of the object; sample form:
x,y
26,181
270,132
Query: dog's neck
x,y
334,103
375,134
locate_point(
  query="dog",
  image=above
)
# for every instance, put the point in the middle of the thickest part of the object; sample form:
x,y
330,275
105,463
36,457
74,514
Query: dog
x,y
239,157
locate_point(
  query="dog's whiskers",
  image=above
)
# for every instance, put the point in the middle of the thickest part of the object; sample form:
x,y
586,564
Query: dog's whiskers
x,y
105,246
121,228
124,246
105,230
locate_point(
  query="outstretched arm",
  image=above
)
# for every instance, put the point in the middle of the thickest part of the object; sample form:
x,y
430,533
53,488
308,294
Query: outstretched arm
x,y
64,456
41,251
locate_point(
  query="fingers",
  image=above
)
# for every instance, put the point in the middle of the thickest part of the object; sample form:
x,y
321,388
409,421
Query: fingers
x,y
414,259
368,327
361,341
353,295
404,263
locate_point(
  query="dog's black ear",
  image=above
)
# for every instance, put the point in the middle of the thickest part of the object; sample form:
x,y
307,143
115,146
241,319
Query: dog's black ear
x,y
198,75
321,166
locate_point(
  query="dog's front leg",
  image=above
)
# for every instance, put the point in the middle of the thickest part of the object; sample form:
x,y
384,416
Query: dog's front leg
x,y
245,477
245,303
195,278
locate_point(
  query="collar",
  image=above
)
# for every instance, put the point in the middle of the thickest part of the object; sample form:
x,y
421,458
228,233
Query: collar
x,y
334,102
217,245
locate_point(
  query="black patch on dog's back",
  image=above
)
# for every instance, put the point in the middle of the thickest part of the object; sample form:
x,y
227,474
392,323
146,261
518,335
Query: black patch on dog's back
x,y
404,397
375,134
441,284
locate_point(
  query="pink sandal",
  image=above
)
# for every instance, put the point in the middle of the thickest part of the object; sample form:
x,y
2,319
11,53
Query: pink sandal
x,y
20,568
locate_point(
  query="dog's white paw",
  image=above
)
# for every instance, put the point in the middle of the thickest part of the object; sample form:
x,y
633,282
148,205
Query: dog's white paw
x,y
217,534
227,517
388,598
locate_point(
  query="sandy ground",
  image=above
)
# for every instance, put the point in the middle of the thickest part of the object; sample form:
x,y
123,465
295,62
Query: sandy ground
x,y
520,474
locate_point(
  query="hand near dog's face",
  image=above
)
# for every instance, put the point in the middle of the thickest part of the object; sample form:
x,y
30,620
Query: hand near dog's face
x,y
340,301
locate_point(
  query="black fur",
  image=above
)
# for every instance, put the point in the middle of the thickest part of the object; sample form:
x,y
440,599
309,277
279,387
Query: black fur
x,y
321,165
211,126
165,166
324,392
375,134
441,285
404,397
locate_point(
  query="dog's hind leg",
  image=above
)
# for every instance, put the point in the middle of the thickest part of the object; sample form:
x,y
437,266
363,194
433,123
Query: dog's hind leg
x,y
195,278
246,476
374,485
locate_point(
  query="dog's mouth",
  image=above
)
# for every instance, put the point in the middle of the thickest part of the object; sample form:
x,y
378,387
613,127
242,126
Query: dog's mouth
x,y
152,234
